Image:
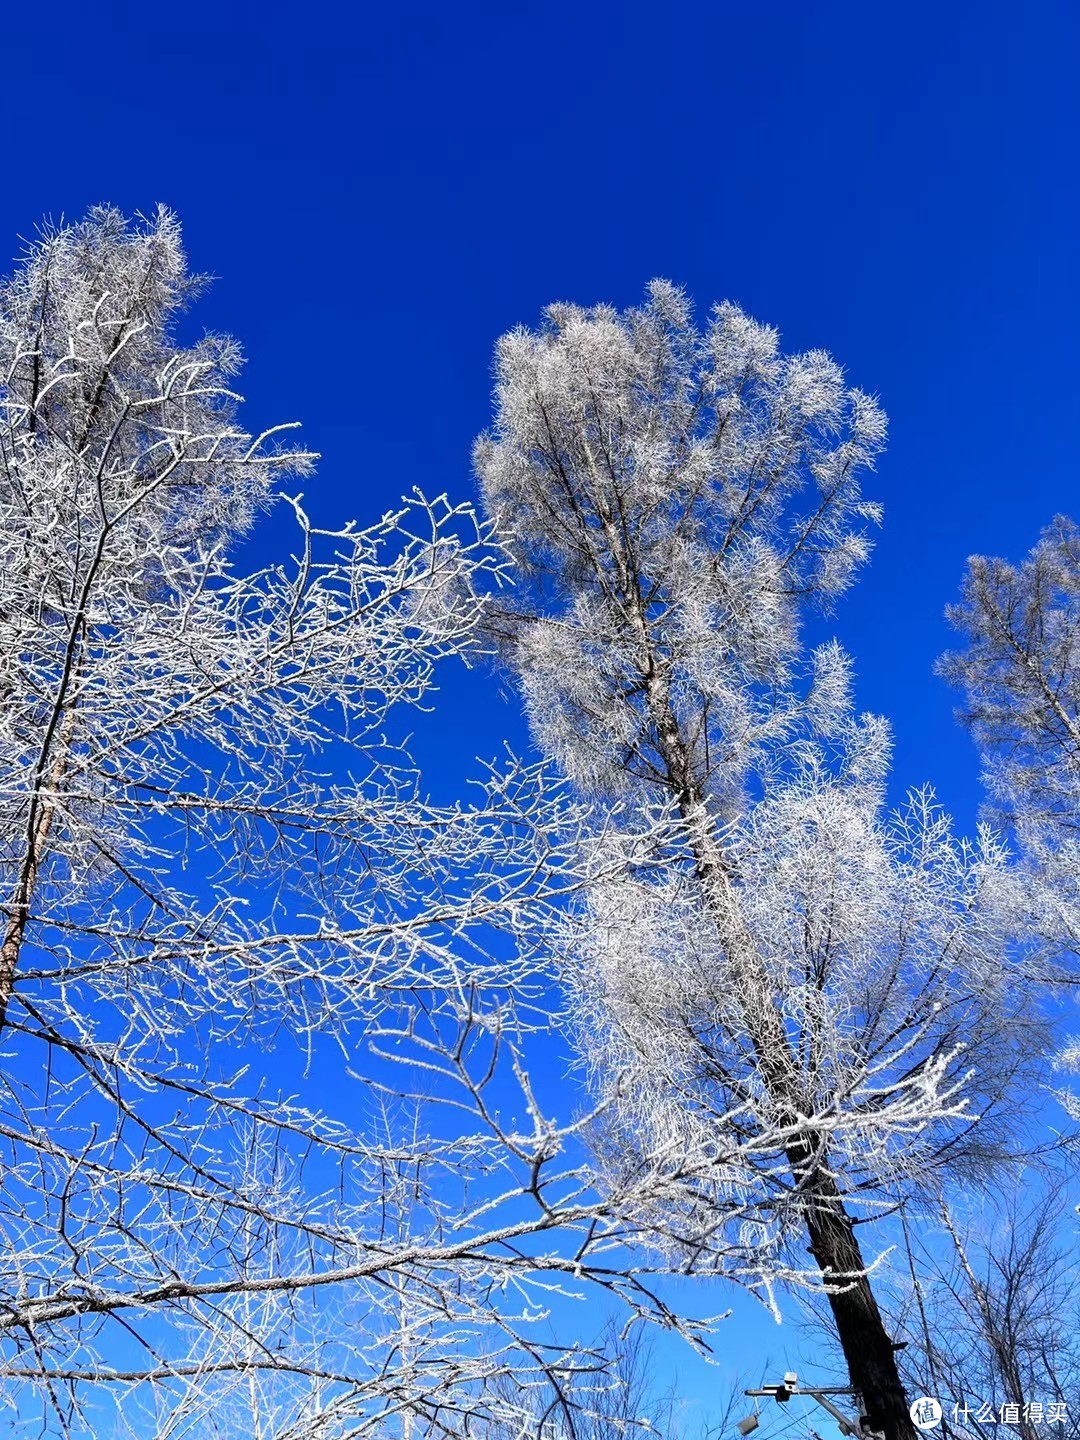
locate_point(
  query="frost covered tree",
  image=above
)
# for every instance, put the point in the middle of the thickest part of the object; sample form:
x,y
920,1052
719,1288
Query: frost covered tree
x,y
200,925
763,959
993,1311
623,1401
1020,674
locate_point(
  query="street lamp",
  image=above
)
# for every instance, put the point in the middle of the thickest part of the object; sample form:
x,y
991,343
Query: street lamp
x,y
789,1386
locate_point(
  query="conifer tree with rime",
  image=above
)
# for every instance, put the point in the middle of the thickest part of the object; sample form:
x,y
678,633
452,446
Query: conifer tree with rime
x,y
1019,673
1020,676
763,959
221,890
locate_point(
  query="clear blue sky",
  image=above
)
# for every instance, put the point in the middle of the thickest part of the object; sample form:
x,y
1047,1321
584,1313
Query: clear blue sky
x,y
385,189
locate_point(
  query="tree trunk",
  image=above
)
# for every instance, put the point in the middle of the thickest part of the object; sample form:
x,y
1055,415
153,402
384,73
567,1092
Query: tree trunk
x,y
17,912
868,1349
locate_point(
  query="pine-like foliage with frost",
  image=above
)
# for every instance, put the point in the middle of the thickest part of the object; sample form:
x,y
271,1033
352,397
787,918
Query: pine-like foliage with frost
x,y
767,963
1020,677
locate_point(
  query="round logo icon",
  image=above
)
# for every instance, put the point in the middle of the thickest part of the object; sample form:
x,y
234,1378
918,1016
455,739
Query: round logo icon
x,y
926,1413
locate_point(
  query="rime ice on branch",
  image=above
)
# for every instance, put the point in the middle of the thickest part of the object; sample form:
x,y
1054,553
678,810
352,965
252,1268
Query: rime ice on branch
x,y
199,922
1020,674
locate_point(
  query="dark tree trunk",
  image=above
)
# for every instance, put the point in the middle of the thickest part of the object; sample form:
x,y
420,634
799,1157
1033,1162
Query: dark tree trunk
x,y
867,1346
